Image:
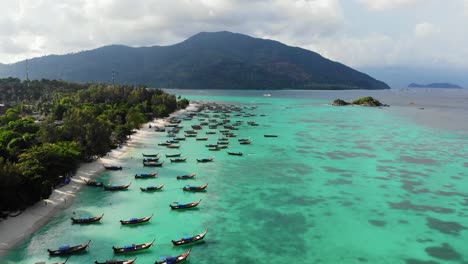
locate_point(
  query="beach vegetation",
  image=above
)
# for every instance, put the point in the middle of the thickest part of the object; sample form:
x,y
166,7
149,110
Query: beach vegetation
x,y
52,126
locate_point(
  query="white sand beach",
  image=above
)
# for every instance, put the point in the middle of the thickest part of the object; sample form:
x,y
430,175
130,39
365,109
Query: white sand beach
x,y
14,229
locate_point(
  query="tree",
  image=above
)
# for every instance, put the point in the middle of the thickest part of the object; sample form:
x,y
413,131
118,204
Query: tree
x,y
91,132
11,114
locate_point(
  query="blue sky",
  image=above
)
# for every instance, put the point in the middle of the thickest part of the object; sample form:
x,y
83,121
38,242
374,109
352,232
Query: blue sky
x,y
359,33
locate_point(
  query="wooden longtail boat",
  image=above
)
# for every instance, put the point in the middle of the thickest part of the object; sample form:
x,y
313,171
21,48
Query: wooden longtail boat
x,y
115,261
245,142
189,188
236,153
179,160
179,138
153,164
135,221
211,145
150,159
112,167
116,187
205,160
178,206
133,247
93,183
150,155
173,155
202,139
86,220
189,240
214,149
185,177
173,146
164,144
151,188
172,260
146,175
65,250
268,135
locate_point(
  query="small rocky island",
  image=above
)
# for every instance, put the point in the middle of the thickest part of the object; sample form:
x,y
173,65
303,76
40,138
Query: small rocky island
x,y
363,101
435,85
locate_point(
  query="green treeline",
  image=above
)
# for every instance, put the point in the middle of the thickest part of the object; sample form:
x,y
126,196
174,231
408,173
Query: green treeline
x,y
54,125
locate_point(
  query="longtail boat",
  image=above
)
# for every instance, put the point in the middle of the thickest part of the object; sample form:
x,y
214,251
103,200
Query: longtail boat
x,y
172,260
150,159
245,142
236,153
112,167
215,149
132,247
269,135
151,188
173,146
205,160
211,145
65,250
135,221
179,138
202,139
146,175
173,155
116,187
179,160
150,155
153,164
189,188
187,176
164,144
93,183
177,205
115,261
86,220
188,240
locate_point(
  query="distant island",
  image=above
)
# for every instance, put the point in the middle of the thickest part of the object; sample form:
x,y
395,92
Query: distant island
x,y
363,101
217,60
435,85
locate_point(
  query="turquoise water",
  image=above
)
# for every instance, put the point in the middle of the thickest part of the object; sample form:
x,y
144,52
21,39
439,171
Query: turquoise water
x,y
339,185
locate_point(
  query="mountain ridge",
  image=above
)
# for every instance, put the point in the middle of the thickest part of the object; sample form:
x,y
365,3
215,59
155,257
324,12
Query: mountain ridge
x,y
219,60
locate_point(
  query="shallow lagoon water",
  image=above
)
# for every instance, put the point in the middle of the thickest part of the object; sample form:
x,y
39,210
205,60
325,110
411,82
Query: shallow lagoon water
x,y
339,185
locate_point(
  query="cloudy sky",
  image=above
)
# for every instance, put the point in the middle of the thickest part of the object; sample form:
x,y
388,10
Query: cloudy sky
x,y
359,33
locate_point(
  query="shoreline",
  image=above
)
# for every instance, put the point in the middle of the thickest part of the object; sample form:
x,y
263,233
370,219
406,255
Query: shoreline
x,y
15,230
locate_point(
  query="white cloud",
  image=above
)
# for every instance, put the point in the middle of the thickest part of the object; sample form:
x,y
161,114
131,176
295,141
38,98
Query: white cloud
x,y
388,4
423,30
30,28
370,50
40,27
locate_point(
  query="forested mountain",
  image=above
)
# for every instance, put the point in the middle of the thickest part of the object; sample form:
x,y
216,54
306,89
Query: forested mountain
x,y
435,85
221,60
